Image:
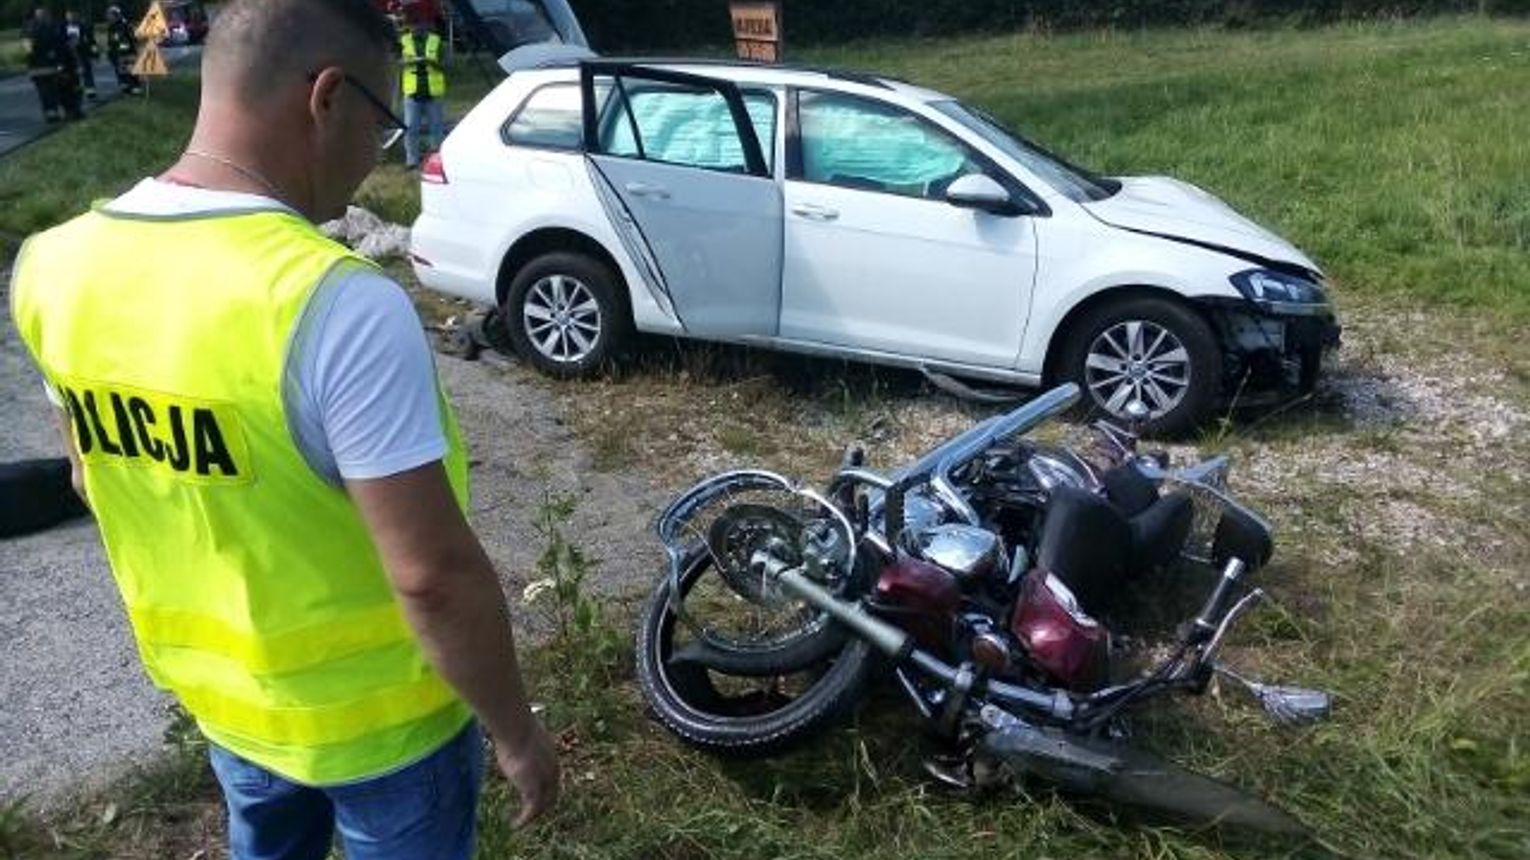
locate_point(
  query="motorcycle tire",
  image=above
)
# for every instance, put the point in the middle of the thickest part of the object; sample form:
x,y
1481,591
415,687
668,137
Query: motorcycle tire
x,y
682,697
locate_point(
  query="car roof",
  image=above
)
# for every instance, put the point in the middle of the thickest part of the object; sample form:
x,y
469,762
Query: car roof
x,y
740,71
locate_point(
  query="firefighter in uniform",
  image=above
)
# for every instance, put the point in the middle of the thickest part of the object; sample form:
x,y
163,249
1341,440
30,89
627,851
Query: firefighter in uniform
x,y
121,50
51,64
81,35
278,479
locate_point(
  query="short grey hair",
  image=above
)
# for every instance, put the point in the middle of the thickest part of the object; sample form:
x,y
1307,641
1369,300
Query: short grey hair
x,y
254,44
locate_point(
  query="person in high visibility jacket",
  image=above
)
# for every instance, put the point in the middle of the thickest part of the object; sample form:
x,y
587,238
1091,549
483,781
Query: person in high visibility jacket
x,y
278,480
424,84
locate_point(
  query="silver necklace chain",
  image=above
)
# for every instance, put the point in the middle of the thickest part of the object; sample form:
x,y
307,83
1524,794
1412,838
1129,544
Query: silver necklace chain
x,y
239,169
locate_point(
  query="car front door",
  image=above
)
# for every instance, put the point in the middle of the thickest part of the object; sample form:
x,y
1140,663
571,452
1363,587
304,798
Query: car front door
x,y
679,156
875,256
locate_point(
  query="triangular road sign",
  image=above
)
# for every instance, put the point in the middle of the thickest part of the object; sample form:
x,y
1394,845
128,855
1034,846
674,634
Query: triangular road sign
x,y
153,27
150,62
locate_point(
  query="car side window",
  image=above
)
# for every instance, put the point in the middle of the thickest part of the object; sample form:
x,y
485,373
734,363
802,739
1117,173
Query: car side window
x,y
549,118
855,142
683,125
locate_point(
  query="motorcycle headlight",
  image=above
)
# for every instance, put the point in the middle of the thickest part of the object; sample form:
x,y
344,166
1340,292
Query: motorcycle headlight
x,y
1268,288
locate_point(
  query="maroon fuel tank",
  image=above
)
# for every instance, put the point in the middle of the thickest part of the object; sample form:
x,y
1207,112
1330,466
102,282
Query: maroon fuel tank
x,y
1064,642
921,598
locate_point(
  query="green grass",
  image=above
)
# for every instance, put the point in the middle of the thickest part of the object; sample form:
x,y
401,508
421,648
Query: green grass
x,y
1395,153
51,181
13,54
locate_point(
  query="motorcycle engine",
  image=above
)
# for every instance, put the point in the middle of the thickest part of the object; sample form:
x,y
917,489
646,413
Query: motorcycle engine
x,y
968,601
968,553
951,588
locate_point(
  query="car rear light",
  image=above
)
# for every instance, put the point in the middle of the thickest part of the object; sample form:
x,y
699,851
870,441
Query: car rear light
x,y
433,170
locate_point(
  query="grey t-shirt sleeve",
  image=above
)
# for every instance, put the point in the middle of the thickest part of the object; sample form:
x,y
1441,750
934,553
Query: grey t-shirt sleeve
x,y
360,386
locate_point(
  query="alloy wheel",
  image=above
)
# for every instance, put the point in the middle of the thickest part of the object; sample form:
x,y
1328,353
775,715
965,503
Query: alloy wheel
x,y
1137,360
561,318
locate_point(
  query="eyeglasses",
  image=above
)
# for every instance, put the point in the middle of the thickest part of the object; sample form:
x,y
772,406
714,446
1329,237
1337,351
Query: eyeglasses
x,y
389,127
390,131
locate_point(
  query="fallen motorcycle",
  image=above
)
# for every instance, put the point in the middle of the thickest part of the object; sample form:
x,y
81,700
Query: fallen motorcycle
x,y
975,576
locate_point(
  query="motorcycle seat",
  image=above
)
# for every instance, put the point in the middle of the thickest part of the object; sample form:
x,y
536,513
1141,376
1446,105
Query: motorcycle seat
x,y
1092,545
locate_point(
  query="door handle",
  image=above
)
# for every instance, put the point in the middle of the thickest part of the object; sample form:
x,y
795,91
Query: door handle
x,y
644,189
814,212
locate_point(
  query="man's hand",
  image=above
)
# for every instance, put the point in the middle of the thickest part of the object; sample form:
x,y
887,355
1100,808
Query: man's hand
x,y
532,767
452,600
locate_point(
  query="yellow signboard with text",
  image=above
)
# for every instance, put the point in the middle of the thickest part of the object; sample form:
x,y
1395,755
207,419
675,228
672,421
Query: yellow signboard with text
x,y
757,30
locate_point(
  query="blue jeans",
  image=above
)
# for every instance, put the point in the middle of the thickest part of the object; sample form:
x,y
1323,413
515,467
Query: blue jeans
x,y
425,811
424,118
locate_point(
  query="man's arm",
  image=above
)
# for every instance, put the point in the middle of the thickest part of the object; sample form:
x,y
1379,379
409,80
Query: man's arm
x,y
452,600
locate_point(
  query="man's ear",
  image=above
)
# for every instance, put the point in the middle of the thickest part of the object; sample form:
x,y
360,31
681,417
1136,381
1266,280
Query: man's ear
x,y
322,94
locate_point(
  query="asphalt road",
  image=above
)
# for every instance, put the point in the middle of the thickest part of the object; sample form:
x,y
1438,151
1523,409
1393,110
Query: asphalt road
x,y
21,119
76,704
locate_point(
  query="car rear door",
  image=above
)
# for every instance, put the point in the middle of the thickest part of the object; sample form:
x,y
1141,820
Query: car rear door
x,y
680,155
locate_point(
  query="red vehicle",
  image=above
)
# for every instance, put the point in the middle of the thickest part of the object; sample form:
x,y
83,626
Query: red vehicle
x,y
410,11
493,25
971,578
187,21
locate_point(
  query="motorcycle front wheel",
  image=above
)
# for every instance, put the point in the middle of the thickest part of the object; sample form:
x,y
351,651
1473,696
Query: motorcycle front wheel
x,y
735,715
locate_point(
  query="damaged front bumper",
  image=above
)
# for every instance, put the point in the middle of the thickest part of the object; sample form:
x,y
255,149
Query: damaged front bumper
x,y
1273,351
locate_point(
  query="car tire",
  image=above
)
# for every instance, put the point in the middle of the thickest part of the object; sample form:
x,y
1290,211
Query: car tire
x,y
1149,348
564,314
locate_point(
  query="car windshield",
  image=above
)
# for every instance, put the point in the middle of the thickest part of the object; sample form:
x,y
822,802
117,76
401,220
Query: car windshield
x,y
1076,183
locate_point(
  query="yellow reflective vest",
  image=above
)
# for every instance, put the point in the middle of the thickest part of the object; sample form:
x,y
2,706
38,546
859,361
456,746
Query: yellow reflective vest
x,y
435,76
254,590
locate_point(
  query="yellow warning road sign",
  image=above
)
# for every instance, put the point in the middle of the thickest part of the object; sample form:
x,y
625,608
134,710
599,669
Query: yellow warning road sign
x,y
150,62
153,27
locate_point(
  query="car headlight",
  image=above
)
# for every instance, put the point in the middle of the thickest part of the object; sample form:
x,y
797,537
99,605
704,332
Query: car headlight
x,y
1278,290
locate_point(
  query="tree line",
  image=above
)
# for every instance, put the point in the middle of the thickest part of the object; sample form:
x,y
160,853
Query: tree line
x,y
632,25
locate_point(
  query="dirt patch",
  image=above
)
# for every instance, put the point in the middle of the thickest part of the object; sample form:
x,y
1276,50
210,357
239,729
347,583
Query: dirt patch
x,y
1407,439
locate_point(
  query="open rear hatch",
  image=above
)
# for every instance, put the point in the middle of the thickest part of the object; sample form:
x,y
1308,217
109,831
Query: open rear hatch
x,y
525,34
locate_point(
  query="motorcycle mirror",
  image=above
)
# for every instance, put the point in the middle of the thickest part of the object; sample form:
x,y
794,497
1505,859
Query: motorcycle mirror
x,y
1285,706
1290,706
1243,535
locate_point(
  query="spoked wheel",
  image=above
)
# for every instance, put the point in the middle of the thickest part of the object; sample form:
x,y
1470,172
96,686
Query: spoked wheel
x,y
757,713
732,664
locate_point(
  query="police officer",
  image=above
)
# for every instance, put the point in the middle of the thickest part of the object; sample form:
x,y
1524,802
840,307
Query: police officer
x,y
121,50
278,479
424,83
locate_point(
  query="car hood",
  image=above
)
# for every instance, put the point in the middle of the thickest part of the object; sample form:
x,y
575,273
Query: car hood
x,y
1162,206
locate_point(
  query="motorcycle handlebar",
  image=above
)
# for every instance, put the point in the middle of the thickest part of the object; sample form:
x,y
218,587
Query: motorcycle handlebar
x,y
1216,606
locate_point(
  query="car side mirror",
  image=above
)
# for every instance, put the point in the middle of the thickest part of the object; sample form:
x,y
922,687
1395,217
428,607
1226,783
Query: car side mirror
x,y
980,192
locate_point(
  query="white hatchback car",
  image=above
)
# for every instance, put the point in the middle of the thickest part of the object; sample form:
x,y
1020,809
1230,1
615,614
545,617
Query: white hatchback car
x,y
846,215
